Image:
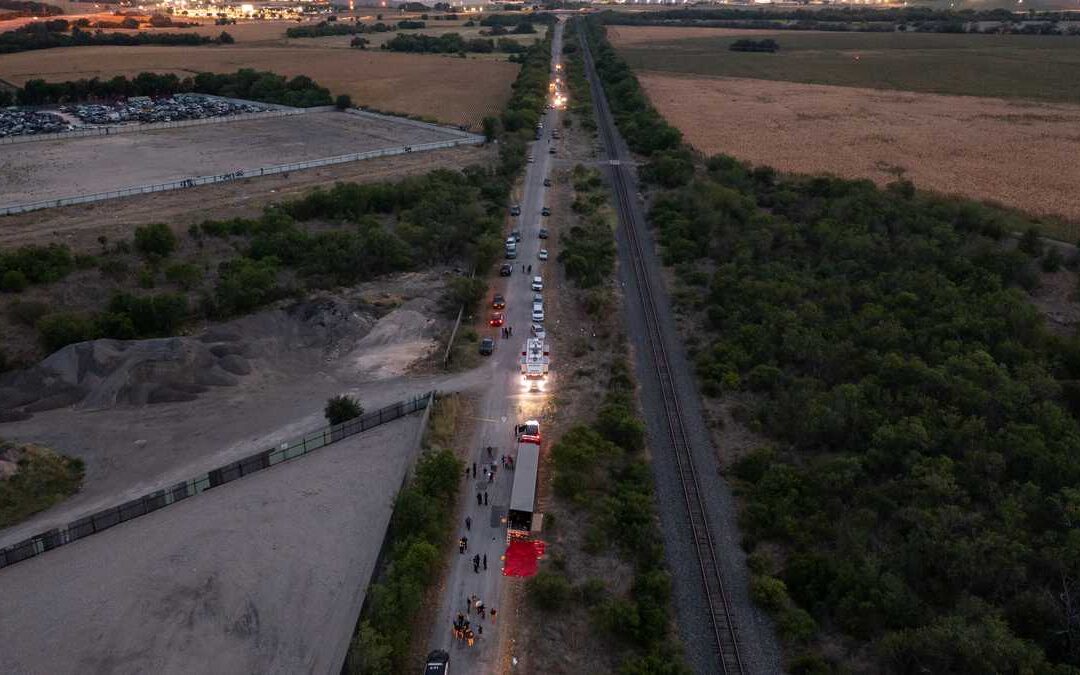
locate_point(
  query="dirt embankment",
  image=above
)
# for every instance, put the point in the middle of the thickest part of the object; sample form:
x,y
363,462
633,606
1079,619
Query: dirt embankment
x,y
1020,154
371,332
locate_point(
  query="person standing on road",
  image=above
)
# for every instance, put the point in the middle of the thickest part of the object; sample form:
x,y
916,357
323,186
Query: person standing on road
x,y
485,499
479,499
476,563
485,561
468,522
474,469
492,615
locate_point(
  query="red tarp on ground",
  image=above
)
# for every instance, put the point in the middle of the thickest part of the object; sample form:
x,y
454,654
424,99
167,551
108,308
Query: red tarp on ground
x,y
522,558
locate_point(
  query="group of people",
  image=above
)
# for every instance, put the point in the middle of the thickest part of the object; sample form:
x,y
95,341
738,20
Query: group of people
x,y
507,331
507,462
463,627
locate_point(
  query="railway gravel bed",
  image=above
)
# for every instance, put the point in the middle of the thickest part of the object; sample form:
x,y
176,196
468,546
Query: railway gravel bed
x,y
758,646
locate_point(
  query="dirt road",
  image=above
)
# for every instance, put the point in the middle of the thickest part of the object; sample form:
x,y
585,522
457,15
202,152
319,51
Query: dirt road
x,y
504,404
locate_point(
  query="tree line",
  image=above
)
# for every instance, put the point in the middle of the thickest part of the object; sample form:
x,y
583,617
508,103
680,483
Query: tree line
x,y
766,45
38,36
451,43
10,9
300,91
914,504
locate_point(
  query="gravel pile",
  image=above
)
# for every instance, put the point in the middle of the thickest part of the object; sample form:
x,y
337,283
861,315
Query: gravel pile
x,y
20,123
150,110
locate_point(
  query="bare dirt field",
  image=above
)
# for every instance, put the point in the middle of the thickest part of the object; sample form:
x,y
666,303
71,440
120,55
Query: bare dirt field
x,y
64,168
454,91
1020,154
263,575
80,226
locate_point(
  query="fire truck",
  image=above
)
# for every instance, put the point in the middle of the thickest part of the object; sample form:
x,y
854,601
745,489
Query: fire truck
x,y
535,361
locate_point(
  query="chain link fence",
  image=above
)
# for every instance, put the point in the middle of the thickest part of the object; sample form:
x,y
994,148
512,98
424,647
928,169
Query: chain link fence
x,y
104,519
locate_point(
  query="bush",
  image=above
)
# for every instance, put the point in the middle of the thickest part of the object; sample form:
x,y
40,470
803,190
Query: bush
x,y
43,479
13,281
768,592
155,240
344,101
61,329
342,409
548,590
185,275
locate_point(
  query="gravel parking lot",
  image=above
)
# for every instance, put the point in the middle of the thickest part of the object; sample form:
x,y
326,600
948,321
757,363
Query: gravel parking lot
x,y
264,575
64,168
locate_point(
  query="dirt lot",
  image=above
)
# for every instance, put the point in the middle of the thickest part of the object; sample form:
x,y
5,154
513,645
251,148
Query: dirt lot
x,y
451,90
264,575
1021,154
80,226
48,170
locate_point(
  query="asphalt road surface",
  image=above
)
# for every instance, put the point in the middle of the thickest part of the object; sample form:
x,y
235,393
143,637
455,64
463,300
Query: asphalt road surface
x,y
504,404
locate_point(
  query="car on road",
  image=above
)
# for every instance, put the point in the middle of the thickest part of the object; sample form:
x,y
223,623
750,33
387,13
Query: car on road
x,y
498,301
438,663
487,346
543,234
516,234
506,270
538,331
543,255
511,252
515,210
545,211
538,298
551,150
547,182
537,284
497,319
531,160
538,314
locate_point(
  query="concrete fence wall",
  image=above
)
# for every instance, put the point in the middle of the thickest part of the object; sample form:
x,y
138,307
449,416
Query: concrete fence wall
x,y
148,503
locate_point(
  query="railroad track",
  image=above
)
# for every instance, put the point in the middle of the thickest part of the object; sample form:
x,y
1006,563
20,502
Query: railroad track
x,y
721,615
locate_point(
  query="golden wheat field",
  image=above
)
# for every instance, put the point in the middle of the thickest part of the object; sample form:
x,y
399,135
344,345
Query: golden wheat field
x,y
1021,154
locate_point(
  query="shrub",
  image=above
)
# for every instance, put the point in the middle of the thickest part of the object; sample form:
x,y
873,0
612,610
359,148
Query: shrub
x,y
768,592
155,240
342,409
185,275
548,590
62,328
13,281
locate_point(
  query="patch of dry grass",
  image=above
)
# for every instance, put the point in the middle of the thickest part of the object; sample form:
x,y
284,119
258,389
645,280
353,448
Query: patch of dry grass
x,y
1020,154
451,90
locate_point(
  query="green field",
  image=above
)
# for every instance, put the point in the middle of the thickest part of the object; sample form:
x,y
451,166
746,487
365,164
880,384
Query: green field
x,y
1009,66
